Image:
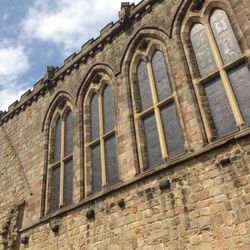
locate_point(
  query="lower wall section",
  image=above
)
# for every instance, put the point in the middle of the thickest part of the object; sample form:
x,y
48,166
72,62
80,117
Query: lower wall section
x,y
206,207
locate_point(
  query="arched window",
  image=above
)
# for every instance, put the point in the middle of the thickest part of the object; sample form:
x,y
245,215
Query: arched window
x,y
62,160
224,74
102,145
157,113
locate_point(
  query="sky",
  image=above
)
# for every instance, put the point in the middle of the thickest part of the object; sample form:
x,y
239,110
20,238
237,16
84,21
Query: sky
x,y
38,33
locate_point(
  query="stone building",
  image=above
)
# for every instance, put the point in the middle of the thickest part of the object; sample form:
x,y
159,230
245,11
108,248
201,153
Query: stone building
x,y
139,141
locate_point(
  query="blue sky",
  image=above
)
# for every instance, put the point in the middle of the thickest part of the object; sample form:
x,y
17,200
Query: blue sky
x,y
37,33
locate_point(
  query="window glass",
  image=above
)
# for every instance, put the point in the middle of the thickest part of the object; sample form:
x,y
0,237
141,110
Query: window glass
x,y
68,182
161,76
144,87
111,160
152,141
202,50
240,80
172,130
108,115
55,188
220,109
68,134
57,149
94,117
96,169
224,35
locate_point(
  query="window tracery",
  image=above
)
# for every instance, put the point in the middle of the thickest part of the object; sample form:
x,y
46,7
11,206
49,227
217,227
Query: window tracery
x,y
61,158
101,149
159,130
224,77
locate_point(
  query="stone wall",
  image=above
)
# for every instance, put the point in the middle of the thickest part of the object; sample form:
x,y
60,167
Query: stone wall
x,y
14,188
206,205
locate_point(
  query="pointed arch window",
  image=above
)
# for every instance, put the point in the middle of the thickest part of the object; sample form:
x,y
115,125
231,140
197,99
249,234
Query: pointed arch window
x,y
224,75
102,144
62,161
157,113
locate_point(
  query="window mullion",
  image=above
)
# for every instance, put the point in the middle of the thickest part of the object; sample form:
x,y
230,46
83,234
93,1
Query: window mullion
x,y
102,147
53,165
145,113
61,203
157,111
235,63
197,91
95,142
109,134
224,77
166,100
68,157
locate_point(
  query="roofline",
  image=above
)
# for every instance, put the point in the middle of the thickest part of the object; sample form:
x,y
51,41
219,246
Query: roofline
x,y
73,62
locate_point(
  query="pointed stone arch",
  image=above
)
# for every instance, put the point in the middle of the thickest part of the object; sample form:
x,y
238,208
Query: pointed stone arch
x,y
92,75
144,33
99,76
59,97
64,100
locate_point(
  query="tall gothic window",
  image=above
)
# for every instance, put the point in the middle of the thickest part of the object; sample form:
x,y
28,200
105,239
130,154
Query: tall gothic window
x,y
157,113
62,161
104,165
224,74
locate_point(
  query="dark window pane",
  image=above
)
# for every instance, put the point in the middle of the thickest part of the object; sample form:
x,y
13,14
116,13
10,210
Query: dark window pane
x,y
94,117
96,169
161,76
111,160
220,109
202,50
172,129
108,114
68,182
152,141
224,35
240,80
55,188
69,134
57,150
144,87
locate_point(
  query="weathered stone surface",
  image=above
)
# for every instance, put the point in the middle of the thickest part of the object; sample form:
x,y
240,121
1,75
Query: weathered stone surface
x,y
205,200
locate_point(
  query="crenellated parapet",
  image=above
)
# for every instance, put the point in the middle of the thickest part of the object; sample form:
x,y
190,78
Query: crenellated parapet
x,y
128,14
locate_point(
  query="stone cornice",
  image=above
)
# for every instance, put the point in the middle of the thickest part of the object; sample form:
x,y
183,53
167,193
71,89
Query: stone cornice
x,y
127,17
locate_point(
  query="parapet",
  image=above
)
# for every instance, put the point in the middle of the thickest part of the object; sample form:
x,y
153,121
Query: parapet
x,y
125,9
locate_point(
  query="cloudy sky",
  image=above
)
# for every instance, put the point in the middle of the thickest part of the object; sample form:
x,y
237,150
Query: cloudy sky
x,y
37,33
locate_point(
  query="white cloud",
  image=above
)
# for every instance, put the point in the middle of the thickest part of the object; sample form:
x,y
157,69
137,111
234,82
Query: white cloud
x,y
13,63
9,95
5,16
66,23
69,23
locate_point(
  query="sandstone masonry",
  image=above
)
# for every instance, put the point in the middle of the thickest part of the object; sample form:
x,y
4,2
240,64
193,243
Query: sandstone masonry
x,y
197,200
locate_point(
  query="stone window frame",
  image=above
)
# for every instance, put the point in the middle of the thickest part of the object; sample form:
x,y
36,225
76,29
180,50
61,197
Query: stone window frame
x,y
145,51
61,111
97,85
203,17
